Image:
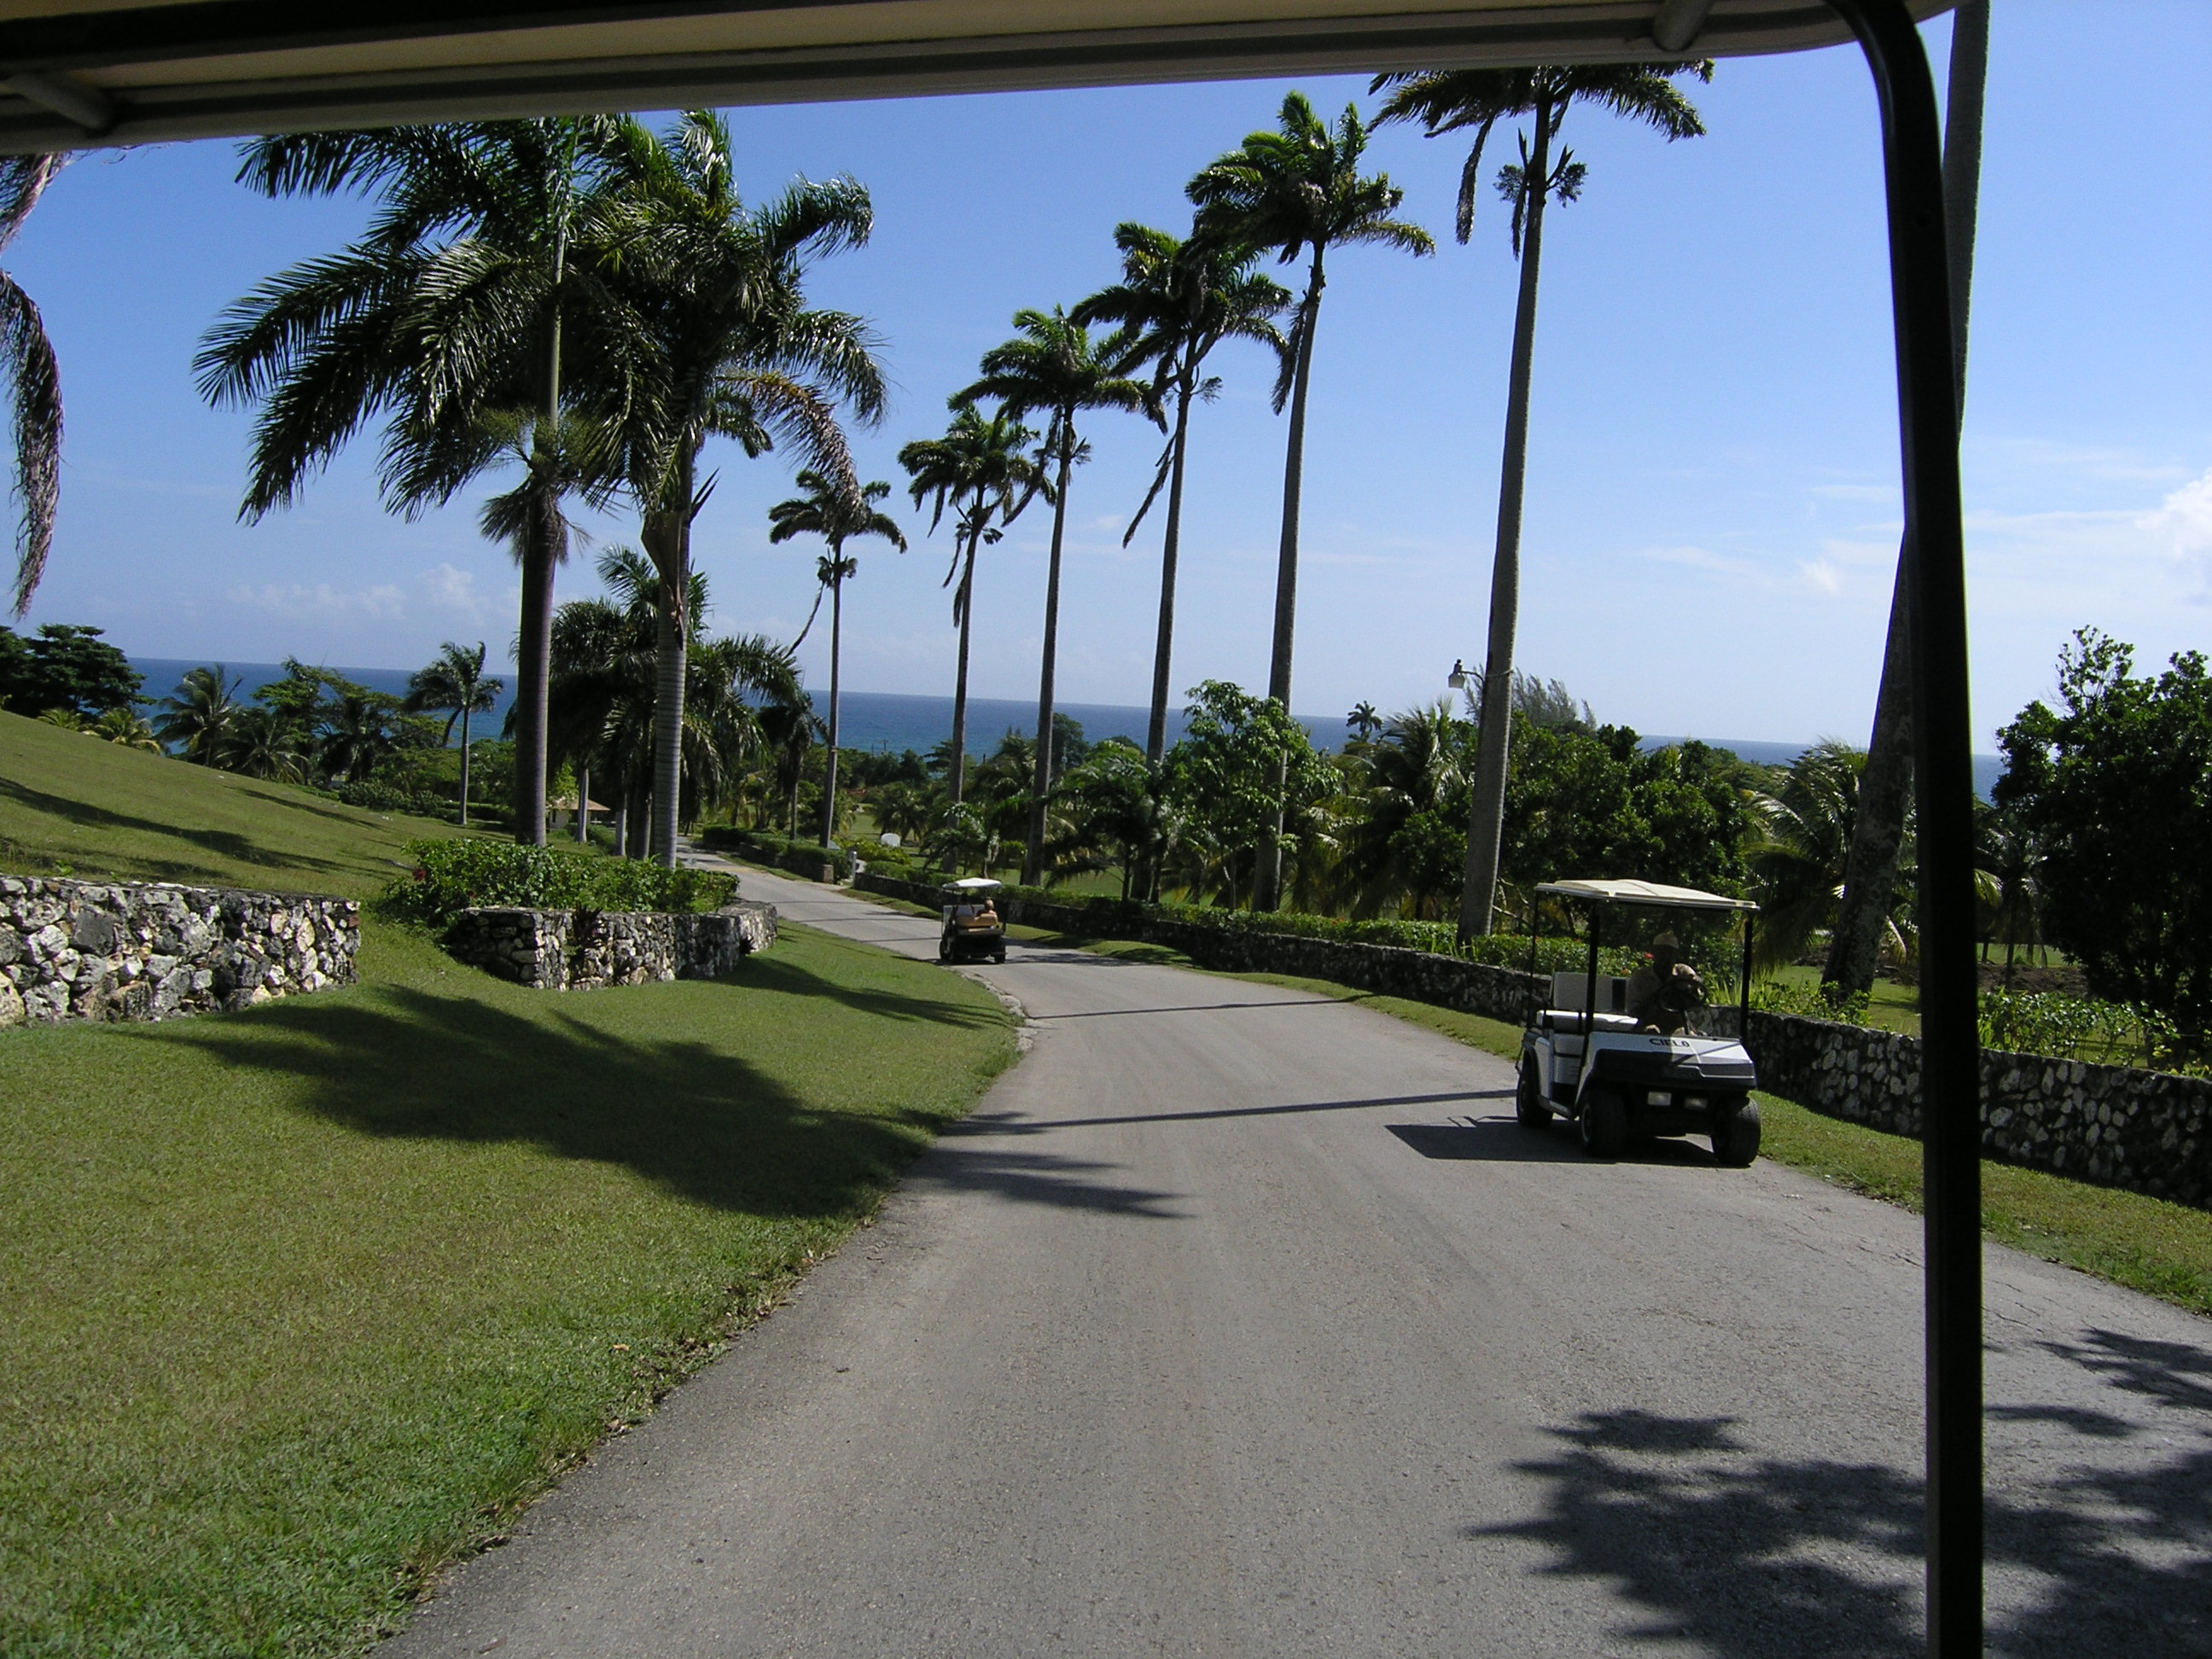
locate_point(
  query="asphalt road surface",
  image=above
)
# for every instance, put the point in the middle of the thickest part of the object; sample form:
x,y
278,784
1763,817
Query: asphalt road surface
x,y
1237,1322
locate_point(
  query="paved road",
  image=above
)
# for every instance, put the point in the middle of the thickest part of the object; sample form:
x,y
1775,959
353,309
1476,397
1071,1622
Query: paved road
x,y
1239,1322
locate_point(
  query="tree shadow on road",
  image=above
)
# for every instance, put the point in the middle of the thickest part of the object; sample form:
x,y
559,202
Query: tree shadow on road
x,y
1028,1177
1704,1540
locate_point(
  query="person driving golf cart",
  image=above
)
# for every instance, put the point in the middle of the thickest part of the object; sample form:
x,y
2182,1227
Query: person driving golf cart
x,y
973,927
1665,990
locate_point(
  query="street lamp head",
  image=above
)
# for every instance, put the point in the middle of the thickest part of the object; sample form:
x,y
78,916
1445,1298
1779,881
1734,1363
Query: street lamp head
x,y
1457,679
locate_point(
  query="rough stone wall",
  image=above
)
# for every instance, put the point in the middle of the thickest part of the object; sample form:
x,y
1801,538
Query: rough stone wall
x,y
584,949
113,951
2147,1130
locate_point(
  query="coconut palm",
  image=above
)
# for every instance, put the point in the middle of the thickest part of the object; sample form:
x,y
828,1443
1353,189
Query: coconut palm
x,y
1454,100
201,716
1297,191
729,348
455,319
32,385
1051,368
1177,300
836,513
456,683
1363,721
982,470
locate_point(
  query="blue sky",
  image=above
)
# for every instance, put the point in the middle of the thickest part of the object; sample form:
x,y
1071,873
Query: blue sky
x,y
1712,493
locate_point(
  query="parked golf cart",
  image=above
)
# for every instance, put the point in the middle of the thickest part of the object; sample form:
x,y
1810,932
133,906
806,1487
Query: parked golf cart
x,y
1640,1057
974,929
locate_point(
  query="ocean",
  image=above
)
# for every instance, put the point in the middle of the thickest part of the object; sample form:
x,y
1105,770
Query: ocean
x,y
894,721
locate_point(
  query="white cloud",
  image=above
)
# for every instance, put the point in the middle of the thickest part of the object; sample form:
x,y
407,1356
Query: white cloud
x,y
1700,558
2184,521
449,588
382,602
1821,576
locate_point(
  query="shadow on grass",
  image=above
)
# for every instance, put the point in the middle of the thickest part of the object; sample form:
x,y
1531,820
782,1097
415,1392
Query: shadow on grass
x,y
227,843
1749,1557
689,1117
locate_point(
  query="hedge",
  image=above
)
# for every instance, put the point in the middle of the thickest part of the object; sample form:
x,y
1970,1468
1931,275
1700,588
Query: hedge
x,y
452,876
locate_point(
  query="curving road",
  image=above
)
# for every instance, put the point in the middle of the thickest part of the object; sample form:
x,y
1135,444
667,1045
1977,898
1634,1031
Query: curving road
x,y
1240,1322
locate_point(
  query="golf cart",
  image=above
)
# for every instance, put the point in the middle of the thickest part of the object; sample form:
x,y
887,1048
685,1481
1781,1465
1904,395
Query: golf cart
x,y
1641,1056
974,929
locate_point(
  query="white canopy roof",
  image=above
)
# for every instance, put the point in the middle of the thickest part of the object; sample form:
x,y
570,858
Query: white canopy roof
x,y
973,885
78,72
1644,892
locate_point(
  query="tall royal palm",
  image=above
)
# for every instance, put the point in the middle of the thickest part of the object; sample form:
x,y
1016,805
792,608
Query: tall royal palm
x,y
1051,368
1452,100
730,350
453,318
982,470
457,683
1297,191
30,383
1177,300
835,511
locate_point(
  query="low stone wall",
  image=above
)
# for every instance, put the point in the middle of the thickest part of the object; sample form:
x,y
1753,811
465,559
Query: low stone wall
x,y
113,951
2147,1130
584,949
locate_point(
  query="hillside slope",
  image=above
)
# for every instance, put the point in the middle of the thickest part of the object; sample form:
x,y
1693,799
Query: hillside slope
x,y
71,804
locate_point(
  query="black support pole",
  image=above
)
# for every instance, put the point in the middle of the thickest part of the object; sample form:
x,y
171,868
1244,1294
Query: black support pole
x,y
1935,551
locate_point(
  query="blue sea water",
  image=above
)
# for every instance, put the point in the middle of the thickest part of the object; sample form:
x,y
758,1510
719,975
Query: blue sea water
x,y
892,721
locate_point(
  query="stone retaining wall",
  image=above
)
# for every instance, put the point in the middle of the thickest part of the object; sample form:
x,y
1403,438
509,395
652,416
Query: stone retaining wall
x,y
2147,1130
584,949
113,951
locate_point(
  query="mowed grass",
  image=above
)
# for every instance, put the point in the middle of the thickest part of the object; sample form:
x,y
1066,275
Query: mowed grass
x,y
74,804
304,1302
2147,1244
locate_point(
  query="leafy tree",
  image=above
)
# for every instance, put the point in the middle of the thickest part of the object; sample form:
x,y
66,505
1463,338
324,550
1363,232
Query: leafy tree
x,y
65,666
980,470
1452,100
456,681
1297,190
30,382
728,348
453,319
2117,783
200,718
1416,781
837,513
1177,300
1052,368
1241,758
1804,836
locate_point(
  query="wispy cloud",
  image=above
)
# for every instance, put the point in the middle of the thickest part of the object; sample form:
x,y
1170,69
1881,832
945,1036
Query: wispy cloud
x,y
382,602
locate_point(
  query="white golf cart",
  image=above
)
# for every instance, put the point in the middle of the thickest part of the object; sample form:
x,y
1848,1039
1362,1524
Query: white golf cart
x,y
1641,1056
974,929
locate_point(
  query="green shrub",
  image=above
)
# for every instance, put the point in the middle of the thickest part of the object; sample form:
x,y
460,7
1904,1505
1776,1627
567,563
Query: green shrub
x,y
1810,1001
453,876
802,855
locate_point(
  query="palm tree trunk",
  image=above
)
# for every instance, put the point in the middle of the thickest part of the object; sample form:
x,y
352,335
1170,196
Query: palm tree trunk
x,y
533,651
583,804
1268,873
1156,733
1485,826
465,761
957,772
668,539
1033,855
1886,785
836,640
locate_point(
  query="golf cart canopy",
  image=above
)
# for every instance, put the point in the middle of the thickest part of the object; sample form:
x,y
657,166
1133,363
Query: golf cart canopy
x,y
972,884
1644,892
82,72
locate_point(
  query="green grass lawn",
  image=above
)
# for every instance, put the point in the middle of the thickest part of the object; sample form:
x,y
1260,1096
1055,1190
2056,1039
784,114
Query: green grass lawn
x,y
1892,1008
306,1301
73,804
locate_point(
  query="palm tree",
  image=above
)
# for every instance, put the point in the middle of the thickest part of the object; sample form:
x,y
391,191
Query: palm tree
x,y
1052,368
1177,300
1295,190
728,349
449,318
32,384
981,470
1363,721
201,716
456,681
837,514
1451,100
1886,798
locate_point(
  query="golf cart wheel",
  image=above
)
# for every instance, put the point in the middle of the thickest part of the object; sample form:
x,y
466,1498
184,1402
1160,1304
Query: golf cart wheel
x,y
999,956
1528,1099
1735,1136
1602,1123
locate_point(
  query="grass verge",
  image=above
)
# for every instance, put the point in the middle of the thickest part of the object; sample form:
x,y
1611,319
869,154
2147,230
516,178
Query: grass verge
x,y
305,1302
2147,1244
